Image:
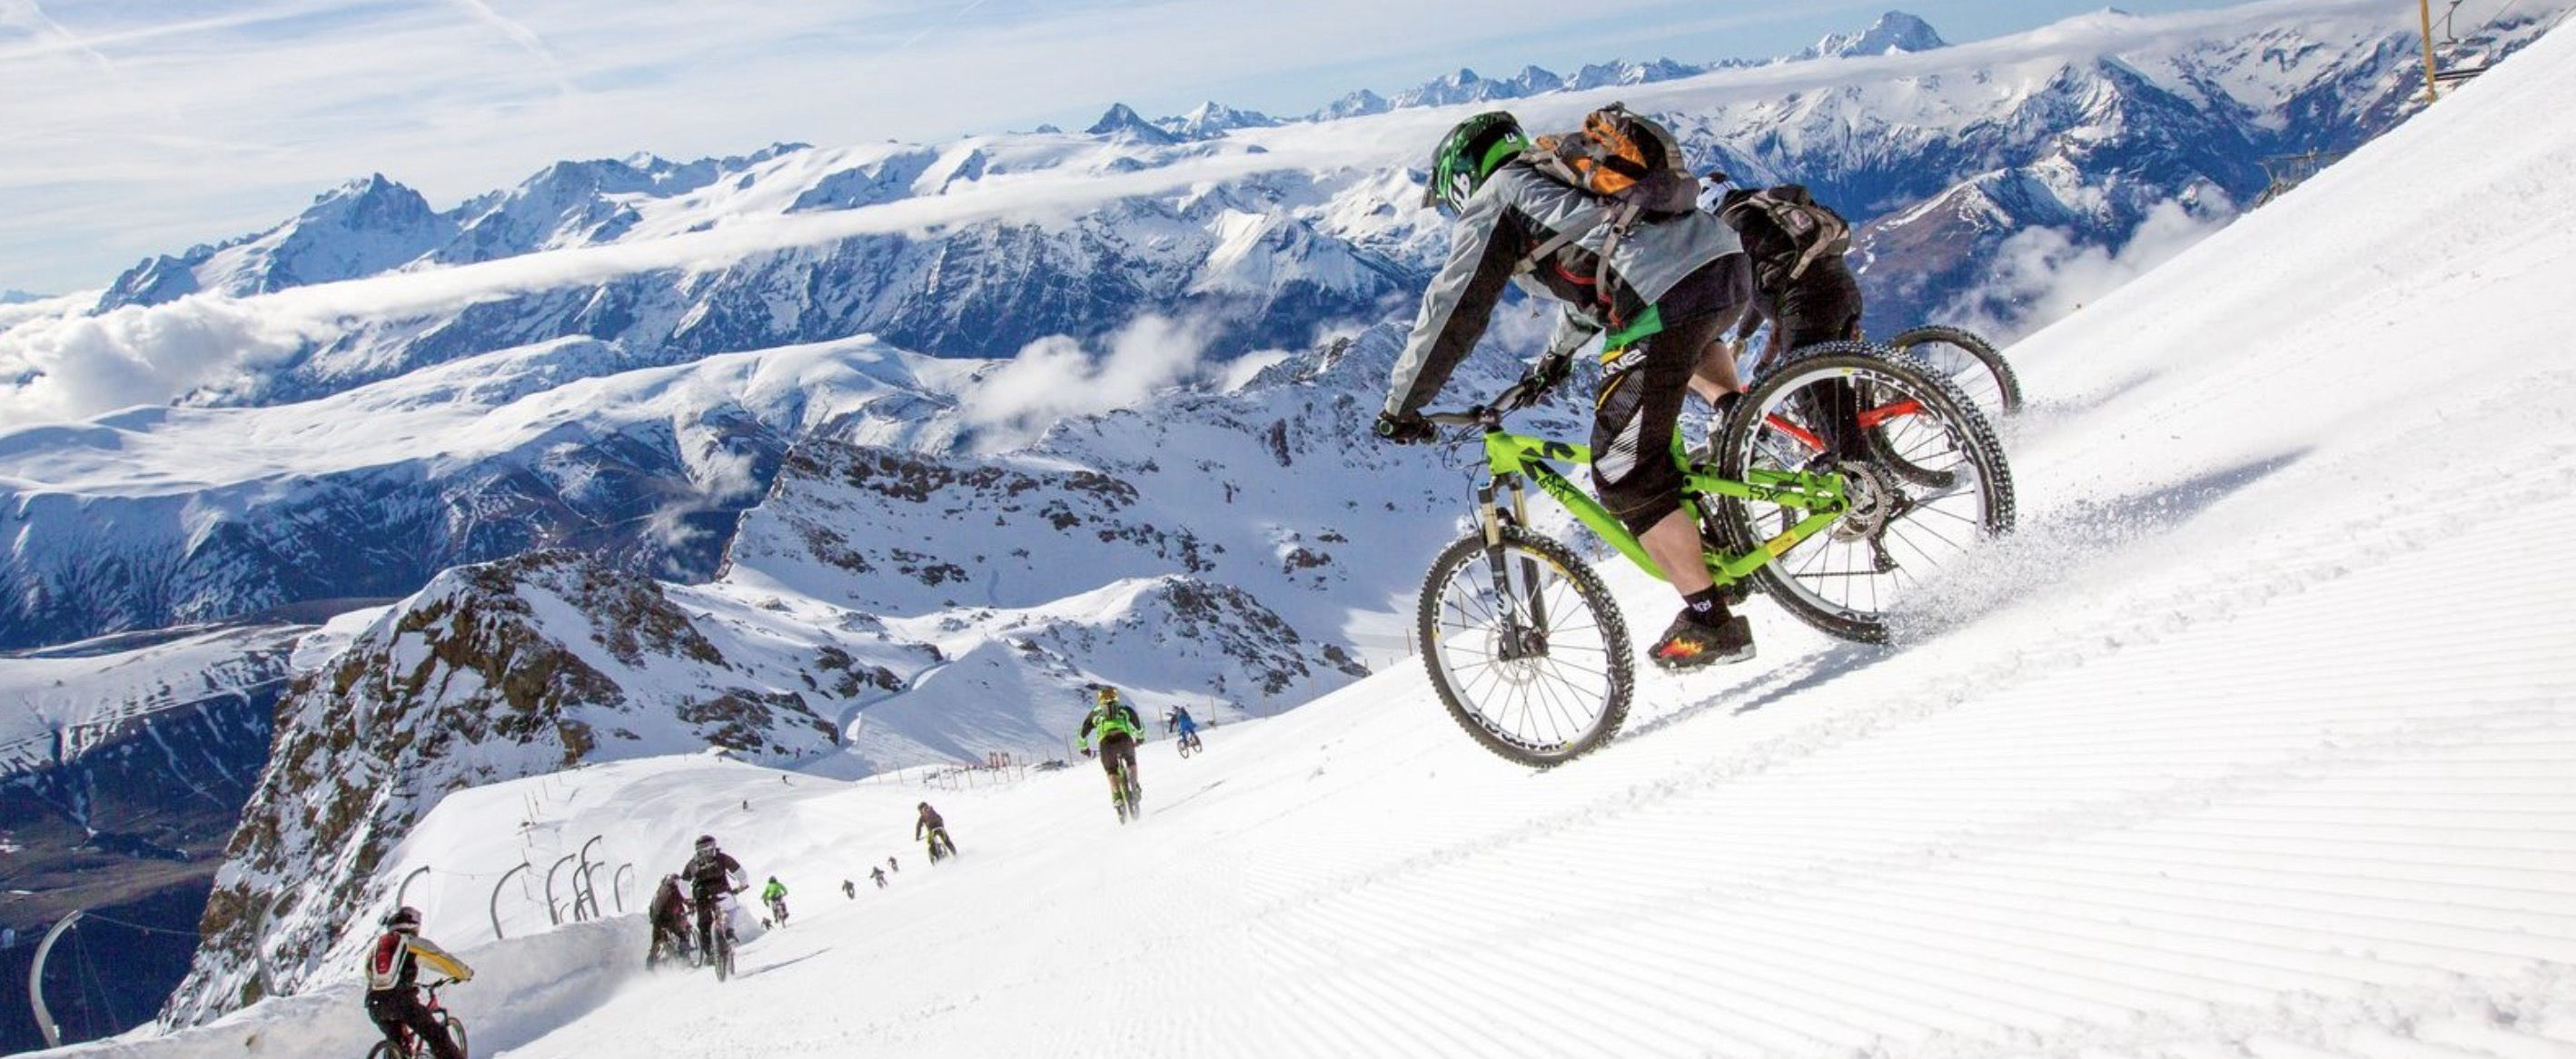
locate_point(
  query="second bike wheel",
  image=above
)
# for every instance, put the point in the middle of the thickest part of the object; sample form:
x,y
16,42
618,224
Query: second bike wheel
x,y
1525,647
1967,361
382,1050
456,1033
1933,485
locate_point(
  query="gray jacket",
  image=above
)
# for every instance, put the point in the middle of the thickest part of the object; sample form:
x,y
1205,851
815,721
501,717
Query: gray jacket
x,y
1514,213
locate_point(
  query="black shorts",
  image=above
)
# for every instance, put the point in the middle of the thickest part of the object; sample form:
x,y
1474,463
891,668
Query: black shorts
x,y
1115,749
1822,305
1634,466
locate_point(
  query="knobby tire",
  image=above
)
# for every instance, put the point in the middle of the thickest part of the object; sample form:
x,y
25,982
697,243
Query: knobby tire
x,y
1966,359
1556,693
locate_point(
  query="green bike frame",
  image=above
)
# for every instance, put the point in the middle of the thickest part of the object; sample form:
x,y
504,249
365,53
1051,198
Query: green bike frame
x,y
1514,458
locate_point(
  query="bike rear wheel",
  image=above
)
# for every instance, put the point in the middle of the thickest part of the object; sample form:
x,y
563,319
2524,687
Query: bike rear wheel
x,y
1525,647
1969,362
1932,485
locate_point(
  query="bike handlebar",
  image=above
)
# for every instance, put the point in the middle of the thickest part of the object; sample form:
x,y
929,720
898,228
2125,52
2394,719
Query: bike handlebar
x,y
1520,395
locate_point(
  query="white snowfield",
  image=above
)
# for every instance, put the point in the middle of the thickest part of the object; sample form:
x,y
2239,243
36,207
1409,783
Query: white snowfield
x,y
2259,739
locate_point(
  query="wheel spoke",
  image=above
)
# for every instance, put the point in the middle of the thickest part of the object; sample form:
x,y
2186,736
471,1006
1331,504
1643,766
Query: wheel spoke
x,y
1920,437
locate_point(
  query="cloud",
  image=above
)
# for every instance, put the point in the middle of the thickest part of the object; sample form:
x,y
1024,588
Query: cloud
x,y
2041,275
70,367
1057,376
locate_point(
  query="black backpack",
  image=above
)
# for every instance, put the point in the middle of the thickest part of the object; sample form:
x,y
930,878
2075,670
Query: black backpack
x,y
1814,230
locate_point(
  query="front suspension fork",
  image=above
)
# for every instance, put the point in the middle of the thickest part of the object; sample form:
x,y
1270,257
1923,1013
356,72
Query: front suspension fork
x,y
1519,625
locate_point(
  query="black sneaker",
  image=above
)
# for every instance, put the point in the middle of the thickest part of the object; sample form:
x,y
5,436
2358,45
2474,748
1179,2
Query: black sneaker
x,y
1688,644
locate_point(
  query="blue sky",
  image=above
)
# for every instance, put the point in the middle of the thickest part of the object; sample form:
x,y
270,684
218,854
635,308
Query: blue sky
x,y
142,126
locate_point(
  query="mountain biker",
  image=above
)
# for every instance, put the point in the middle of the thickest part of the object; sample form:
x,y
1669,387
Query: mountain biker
x,y
1817,301
775,896
849,890
712,874
393,990
929,825
1118,726
670,916
1189,727
1672,285
879,875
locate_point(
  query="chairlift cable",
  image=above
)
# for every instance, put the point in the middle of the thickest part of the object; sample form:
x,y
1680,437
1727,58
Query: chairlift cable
x,y
139,926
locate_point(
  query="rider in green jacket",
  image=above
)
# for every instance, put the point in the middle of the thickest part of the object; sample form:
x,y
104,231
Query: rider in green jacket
x,y
1118,726
775,896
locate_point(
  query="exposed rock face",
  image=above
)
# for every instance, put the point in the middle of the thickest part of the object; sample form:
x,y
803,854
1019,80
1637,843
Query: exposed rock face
x,y
531,665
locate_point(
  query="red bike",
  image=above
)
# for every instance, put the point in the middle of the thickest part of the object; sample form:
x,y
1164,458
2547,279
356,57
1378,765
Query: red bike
x,y
413,1047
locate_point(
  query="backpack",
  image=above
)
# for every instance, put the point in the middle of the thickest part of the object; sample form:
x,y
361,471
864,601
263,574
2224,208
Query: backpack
x,y
1633,165
1814,230
1622,156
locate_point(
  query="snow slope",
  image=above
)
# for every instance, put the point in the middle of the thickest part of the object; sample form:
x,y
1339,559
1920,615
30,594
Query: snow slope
x,y
2218,757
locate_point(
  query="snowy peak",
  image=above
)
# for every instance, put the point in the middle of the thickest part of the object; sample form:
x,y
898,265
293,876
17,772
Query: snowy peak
x,y
1894,31
1212,119
361,228
1122,121
1466,86
1621,72
1353,105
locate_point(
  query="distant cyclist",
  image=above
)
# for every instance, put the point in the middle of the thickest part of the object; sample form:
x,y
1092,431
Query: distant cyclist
x,y
1117,725
393,984
713,874
928,825
878,874
775,896
670,915
1189,727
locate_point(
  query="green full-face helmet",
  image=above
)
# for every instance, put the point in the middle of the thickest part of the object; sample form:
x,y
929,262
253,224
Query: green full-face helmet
x,y
1470,153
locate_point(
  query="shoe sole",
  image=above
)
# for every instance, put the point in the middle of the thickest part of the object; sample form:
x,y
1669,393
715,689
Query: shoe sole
x,y
1712,659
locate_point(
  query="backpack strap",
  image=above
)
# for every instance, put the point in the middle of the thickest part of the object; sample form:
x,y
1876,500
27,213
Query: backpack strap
x,y
1581,226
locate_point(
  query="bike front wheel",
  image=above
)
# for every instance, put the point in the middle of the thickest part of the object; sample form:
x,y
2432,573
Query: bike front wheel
x,y
1968,362
1525,647
382,1050
1925,482
456,1033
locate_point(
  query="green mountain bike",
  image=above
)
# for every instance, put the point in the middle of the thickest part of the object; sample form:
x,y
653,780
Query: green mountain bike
x,y
1524,643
